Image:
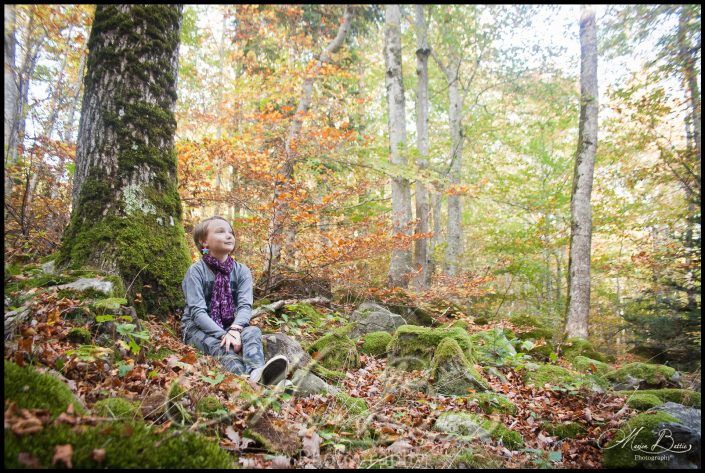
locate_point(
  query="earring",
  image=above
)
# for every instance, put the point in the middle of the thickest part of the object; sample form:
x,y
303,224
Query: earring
x,y
205,251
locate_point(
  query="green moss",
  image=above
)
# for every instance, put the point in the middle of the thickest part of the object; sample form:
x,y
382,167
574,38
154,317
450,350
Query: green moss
x,y
30,389
412,347
531,321
452,372
543,352
325,373
209,406
494,402
127,444
573,347
537,334
174,408
160,354
303,311
461,324
643,402
117,407
558,376
375,343
79,335
564,430
680,396
588,365
652,374
336,351
618,452
470,459
355,405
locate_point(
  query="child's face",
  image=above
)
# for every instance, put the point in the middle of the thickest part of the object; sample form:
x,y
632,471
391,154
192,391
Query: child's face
x,y
220,239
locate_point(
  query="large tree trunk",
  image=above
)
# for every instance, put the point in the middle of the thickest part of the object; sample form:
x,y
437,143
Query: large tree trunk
x,y
400,265
126,215
11,95
281,185
581,212
421,256
454,249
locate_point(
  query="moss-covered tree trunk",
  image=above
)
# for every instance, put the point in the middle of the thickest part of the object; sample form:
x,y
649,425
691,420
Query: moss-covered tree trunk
x,y
126,216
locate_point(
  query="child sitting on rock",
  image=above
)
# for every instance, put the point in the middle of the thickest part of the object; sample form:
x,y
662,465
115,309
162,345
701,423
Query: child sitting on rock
x,y
218,292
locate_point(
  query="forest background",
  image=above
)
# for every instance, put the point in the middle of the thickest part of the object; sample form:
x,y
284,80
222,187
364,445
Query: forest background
x,y
241,73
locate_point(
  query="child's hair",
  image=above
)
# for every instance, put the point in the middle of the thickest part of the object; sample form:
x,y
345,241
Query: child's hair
x,y
200,231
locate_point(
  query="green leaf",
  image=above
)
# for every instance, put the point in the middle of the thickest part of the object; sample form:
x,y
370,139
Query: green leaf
x,y
104,318
555,456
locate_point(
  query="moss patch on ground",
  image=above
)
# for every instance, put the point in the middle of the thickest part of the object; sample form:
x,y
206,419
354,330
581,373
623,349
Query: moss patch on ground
x,y
588,365
563,430
375,343
336,351
491,403
117,407
653,375
573,347
559,376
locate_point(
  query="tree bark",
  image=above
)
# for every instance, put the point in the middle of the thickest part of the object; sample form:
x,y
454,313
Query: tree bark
x,y
581,212
281,185
400,265
421,255
126,217
11,95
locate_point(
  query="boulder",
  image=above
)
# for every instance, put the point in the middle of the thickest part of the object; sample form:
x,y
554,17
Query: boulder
x,y
89,284
371,317
462,424
472,426
282,344
563,378
336,351
452,372
643,375
306,383
672,429
491,347
375,343
412,347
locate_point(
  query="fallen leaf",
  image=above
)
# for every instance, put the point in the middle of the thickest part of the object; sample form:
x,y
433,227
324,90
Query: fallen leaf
x,y
63,453
28,460
312,446
281,461
98,454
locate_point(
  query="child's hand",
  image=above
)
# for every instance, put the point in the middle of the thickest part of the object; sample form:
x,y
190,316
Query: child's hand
x,y
232,339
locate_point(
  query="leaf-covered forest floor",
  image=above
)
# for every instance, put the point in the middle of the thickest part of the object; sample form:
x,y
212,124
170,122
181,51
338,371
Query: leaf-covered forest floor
x,y
394,429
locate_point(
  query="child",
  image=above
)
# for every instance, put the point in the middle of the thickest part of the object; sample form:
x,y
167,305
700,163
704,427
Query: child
x,y
218,292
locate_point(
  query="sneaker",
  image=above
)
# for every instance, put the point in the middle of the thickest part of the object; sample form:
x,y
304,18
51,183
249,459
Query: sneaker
x,y
272,372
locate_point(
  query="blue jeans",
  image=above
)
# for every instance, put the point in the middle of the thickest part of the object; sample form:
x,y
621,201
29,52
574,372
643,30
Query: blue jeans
x,y
251,356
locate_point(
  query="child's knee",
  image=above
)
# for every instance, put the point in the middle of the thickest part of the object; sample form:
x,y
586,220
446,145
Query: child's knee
x,y
251,332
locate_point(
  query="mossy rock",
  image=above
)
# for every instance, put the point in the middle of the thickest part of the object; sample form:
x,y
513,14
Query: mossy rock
x,y
375,343
452,372
530,321
491,347
30,389
260,302
686,397
471,459
210,406
466,424
460,323
643,402
564,430
617,454
573,347
588,365
127,444
557,376
79,335
491,403
355,405
336,351
649,375
546,334
412,346
117,407
543,352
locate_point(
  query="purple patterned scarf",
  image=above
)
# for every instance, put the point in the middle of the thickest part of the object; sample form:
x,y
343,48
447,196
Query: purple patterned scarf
x,y
222,307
